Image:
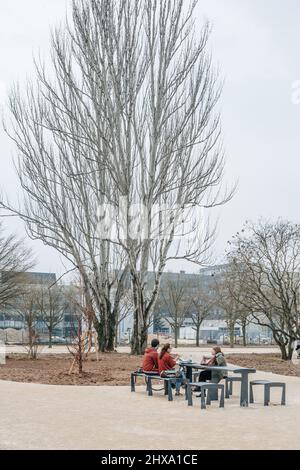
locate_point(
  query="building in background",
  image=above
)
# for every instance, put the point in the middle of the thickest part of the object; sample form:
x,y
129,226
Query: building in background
x,y
213,329
11,316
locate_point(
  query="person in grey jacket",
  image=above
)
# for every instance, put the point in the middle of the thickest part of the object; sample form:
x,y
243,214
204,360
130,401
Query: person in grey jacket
x,y
217,358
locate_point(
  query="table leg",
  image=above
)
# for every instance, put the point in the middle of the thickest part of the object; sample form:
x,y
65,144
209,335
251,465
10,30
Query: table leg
x,y
244,389
189,373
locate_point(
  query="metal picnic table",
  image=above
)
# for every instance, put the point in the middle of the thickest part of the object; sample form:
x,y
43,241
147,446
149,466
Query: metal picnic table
x,y
244,371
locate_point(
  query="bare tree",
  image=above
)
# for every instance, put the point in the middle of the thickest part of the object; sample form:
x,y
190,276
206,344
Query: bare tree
x,y
159,131
202,304
266,257
83,338
127,117
28,312
15,259
175,304
228,293
51,303
125,310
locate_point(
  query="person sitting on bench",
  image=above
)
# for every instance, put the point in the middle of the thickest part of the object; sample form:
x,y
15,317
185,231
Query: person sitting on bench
x,y
167,364
217,358
150,361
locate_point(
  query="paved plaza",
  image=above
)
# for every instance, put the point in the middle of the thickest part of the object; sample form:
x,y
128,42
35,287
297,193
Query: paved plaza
x,y
70,417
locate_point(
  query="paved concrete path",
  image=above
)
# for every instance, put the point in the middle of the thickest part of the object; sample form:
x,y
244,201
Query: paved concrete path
x,y
68,417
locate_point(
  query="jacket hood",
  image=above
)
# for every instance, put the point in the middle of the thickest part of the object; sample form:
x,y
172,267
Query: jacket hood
x,y
148,350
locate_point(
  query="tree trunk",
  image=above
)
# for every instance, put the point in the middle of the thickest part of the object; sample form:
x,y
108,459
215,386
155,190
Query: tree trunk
x,y
139,338
111,331
176,331
198,336
290,349
231,335
284,355
116,338
106,333
244,332
283,346
140,324
50,339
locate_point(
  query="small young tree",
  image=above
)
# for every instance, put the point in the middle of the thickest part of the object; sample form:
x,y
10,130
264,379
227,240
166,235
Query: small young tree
x,y
202,303
51,303
29,313
81,327
227,296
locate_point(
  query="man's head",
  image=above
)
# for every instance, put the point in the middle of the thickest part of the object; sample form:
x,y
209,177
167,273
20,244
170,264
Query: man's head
x,y
155,343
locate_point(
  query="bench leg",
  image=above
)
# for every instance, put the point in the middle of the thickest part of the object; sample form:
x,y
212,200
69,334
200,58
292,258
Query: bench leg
x,y
132,381
170,394
203,405
166,387
222,398
186,390
189,394
149,386
209,396
231,388
226,389
283,395
266,395
214,395
251,394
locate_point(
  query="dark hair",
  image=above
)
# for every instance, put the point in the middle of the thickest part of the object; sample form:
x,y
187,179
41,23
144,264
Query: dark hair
x,y
164,350
217,349
154,343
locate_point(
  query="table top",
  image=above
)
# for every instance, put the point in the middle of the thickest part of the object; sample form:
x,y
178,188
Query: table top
x,y
236,370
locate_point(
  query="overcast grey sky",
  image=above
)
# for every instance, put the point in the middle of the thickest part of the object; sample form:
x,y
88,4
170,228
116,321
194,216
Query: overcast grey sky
x,y
256,44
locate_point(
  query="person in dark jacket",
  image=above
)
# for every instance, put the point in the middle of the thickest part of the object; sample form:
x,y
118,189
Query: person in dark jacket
x,y
167,364
217,358
150,360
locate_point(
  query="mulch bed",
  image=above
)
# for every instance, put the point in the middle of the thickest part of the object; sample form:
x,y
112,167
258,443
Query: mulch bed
x,y
111,369
114,368
266,363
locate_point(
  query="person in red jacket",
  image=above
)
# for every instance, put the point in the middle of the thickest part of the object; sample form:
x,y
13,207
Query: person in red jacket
x,y
167,364
150,361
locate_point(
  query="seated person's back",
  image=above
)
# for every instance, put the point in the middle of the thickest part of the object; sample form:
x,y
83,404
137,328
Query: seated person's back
x,y
150,360
165,361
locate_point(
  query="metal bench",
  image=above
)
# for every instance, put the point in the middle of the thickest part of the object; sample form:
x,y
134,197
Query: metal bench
x,y
149,377
211,387
229,385
267,387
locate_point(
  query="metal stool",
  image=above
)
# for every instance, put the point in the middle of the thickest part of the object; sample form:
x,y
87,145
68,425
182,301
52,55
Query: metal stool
x,y
229,385
210,387
267,386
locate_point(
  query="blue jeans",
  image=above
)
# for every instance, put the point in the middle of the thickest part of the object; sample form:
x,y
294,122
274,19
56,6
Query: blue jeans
x,y
177,381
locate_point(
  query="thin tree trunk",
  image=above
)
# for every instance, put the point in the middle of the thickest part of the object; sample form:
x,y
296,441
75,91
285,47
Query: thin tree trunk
x,y
50,338
244,332
198,336
231,335
290,349
176,336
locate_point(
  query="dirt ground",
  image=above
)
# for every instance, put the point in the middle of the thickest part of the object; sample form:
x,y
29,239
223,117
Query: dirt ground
x,y
115,368
266,363
111,369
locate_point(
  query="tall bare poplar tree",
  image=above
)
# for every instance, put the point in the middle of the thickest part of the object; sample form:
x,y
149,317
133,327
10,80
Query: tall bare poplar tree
x,y
125,122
